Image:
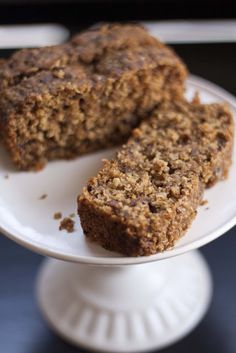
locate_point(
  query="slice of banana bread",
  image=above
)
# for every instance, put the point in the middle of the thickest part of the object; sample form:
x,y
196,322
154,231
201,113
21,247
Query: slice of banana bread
x,y
145,199
66,100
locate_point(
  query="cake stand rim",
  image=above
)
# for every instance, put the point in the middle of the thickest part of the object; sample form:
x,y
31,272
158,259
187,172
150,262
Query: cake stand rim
x,y
122,260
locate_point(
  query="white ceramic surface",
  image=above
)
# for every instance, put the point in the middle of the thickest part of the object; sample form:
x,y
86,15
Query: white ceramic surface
x,y
125,309
29,221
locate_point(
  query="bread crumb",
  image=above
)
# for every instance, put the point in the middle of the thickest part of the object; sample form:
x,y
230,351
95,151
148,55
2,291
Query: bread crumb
x,y
57,215
196,98
6,176
72,215
43,197
204,202
67,224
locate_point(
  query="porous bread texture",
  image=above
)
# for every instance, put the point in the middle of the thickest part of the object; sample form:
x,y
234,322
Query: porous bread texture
x,y
145,199
84,95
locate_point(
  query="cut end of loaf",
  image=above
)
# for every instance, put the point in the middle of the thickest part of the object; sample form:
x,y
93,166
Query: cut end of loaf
x,y
145,199
87,94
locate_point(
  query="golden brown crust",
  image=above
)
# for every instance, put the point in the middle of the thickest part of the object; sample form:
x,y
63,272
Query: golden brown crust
x,y
62,101
145,199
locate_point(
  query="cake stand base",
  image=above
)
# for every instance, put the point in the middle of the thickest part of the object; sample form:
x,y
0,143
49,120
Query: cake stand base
x,y
125,309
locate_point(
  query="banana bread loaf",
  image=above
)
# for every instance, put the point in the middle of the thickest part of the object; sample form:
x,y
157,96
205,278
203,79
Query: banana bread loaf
x,y
87,94
145,199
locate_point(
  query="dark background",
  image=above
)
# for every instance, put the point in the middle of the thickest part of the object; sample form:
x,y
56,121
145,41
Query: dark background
x,y
79,13
22,329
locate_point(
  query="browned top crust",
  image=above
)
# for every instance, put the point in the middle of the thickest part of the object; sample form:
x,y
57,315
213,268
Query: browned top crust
x,y
101,53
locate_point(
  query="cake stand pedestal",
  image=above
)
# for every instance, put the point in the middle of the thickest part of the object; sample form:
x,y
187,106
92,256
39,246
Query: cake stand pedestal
x,y
125,308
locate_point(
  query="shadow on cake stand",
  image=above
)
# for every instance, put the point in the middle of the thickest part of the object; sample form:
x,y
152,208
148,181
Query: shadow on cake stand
x,y
101,300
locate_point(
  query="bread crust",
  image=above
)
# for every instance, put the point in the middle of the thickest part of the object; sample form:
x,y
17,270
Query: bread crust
x,y
84,95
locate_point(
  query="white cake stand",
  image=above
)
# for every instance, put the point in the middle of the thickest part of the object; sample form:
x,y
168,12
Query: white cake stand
x,y
99,299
